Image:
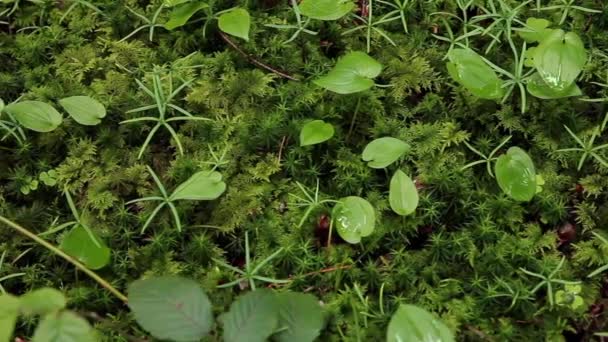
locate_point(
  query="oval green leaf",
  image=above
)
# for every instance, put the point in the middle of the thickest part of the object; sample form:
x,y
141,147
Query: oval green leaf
x,y
64,326
403,195
316,132
538,88
235,22
9,311
353,73
516,174
182,13
42,301
253,317
382,152
202,186
326,9
413,324
35,115
85,110
560,58
355,218
300,317
472,72
171,308
79,244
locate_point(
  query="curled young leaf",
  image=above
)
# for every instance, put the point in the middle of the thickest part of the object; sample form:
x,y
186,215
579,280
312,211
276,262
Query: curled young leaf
x,y
382,152
85,110
355,218
413,324
326,9
472,72
202,186
516,175
35,115
235,22
403,195
351,74
316,132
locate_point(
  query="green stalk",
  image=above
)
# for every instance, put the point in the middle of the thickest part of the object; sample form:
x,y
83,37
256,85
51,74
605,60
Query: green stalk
x,y
68,258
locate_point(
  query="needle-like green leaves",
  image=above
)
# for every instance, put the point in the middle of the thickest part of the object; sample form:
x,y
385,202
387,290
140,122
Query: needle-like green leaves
x,y
538,88
353,73
235,22
413,324
35,115
79,244
560,58
382,152
516,175
355,218
472,72
183,12
202,186
85,110
403,195
326,9
316,132
537,30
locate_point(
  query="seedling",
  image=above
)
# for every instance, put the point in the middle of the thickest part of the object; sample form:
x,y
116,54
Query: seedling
x,y
462,40
150,24
549,281
569,297
300,25
83,3
400,12
502,21
309,201
8,276
515,294
485,159
566,6
369,25
587,146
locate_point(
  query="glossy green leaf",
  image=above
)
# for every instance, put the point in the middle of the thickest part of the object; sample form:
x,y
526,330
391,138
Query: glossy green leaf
x,y
253,317
300,317
538,88
183,12
560,58
202,186
9,311
351,74
79,244
516,175
42,301
472,72
35,115
403,195
538,30
326,9
413,324
355,218
64,326
171,308
235,22
382,152
316,132
85,110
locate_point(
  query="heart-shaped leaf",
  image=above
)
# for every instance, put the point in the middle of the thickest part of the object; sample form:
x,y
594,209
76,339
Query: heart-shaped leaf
x,y
300,317
253,317
403,195
537,30
326,9
79,244
42,301
382,152
413,324
85,110
182,13
560,58
316,132
171,308
355,218
472,72
538,88
516,175
64,326
353,73
202,186
235,22
9,311
35,115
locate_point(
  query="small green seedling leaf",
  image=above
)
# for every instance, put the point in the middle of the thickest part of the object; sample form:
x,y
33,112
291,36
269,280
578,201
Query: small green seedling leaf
x,y
300,317
235,22
355,218
538,30
202,186
85,110
353,73
79,244
42,301
413,324
171,308
183,12
326,9
516,174
35,115
253,317
49,178
472,72
9,311
538,88
382,152
560,58
403,195
64,326
316,132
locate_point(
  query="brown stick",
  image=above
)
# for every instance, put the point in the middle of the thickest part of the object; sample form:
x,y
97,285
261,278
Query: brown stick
x,y
254,61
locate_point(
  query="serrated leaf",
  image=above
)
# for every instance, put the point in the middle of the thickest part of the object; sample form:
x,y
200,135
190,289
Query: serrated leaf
x,y
316,132
42,301
9,311
516,175
235,22
300,317
183,12
353,73
560,58
35,115
253,317
355,218
538,30
171,308
403,195
64,326
79,244
472,72
85,110
538,88
326,9
202,186
413,324
382,152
